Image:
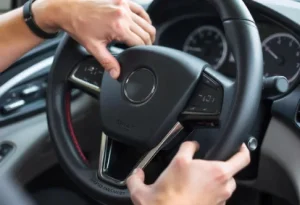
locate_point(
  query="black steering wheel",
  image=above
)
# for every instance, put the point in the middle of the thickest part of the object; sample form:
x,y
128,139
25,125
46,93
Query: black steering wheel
x,y
160,90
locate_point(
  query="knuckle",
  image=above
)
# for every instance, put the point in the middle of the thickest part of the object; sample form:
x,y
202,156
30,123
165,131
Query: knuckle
x,y
120,12
227,193
221,175
119,2
234,185
119,27
181,162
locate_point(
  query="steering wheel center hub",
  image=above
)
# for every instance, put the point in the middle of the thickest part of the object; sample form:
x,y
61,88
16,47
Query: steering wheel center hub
x,y
140,86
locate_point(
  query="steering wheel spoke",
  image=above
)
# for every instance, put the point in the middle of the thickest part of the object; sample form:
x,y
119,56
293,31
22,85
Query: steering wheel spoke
x,y
87,76
106,151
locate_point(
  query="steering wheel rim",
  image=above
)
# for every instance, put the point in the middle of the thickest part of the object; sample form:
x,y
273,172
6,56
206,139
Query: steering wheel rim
x,y
244,40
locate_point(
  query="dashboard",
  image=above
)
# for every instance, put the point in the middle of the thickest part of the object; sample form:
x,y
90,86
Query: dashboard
x,y
203,36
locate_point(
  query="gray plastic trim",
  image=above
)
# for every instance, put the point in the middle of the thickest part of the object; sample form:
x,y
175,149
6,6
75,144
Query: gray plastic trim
x,y
279,165
44,64
86,85
104,158
282,146
33,152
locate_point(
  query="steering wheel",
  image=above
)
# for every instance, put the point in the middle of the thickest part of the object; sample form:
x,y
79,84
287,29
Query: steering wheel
x,y
159,92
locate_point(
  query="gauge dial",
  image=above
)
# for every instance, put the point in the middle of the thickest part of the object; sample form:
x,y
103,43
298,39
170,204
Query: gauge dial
x,y
281,56
209,44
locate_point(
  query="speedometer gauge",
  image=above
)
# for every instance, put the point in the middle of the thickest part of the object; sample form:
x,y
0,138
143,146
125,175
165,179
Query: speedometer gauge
x,y
209,44
281,56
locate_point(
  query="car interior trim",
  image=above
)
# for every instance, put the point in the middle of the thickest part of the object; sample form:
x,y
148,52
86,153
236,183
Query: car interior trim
x,y
83,83
44,64
280,145
71,129
105,156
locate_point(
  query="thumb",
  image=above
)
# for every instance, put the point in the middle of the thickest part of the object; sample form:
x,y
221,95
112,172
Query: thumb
x,y
106,59
136,181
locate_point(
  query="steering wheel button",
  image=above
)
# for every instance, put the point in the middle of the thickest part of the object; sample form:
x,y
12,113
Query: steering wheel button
x,y
13,106
191,109
252,144
206,103
204,110
30,90
90,71
210,82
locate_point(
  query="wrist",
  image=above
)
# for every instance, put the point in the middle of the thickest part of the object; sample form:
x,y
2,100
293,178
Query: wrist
x,y
44,15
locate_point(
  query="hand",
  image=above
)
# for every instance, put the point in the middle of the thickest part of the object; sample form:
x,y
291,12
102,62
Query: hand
x,y
190,181
95,23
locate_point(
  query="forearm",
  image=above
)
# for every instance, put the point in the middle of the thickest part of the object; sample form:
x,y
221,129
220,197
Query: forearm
x,y
15,37
93,24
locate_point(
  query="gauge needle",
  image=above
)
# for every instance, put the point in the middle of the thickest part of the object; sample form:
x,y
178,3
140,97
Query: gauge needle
x,y
197,49
271,53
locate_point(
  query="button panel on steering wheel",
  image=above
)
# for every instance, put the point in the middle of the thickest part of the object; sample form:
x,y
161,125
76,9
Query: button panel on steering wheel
x,y
88,76
206,104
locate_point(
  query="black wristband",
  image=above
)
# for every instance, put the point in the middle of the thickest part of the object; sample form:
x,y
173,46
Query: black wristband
x,y
29,20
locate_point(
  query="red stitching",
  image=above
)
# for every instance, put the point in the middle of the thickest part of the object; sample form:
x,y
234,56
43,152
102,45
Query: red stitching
x,y
70,126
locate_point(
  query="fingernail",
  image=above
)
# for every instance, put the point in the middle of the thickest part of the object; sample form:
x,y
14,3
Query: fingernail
x,y
196,142
113,73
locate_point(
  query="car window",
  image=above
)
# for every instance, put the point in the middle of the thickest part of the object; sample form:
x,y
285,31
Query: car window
x,y
5,5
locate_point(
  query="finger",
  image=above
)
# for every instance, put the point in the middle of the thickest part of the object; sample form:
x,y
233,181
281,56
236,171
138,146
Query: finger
x,y
231,186
105,58
139,10
145,25
227,191
222,203
139,31
239,161
132,39
136,181
187,150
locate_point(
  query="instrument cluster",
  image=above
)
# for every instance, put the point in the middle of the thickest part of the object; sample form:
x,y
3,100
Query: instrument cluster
x,y
204,37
